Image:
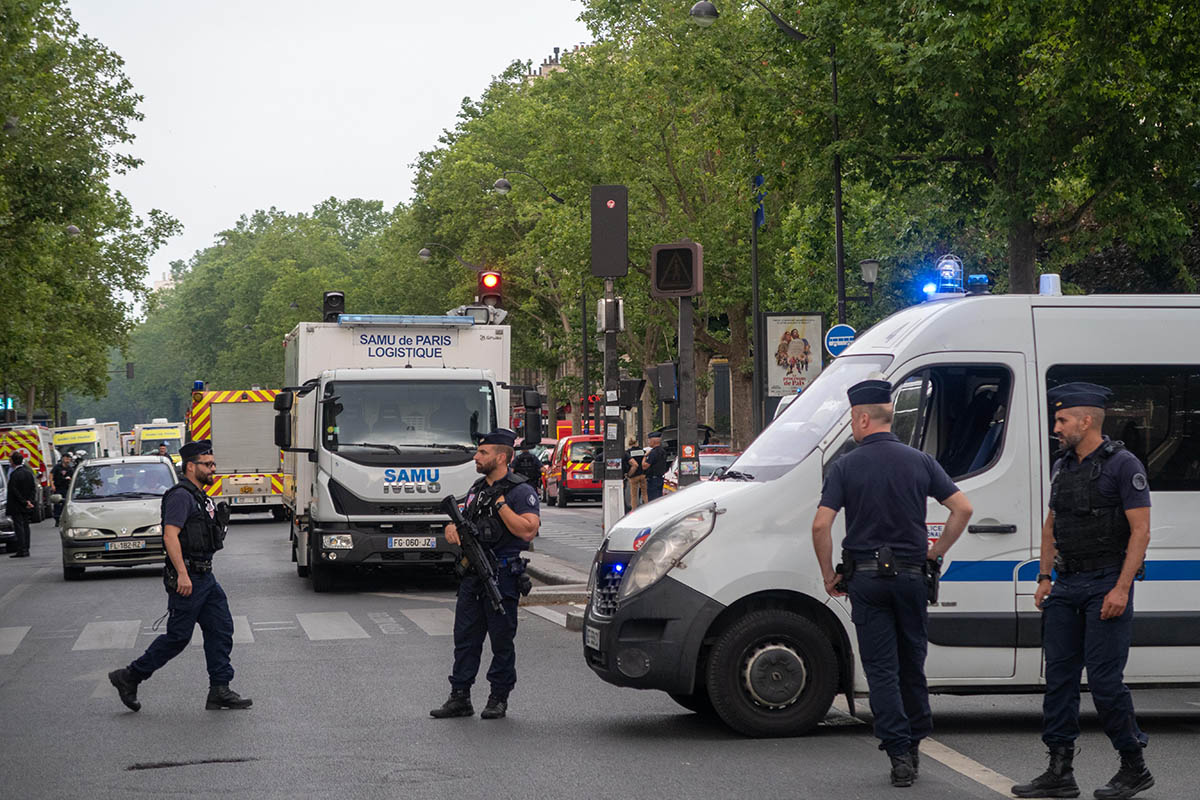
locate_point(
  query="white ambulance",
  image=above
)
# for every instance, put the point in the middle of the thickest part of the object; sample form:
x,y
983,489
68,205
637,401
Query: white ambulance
x,y
714,596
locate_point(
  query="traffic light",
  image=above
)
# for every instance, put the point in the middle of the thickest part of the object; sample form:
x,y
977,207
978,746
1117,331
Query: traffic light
x,y
333,304
490,289
610,231
676,270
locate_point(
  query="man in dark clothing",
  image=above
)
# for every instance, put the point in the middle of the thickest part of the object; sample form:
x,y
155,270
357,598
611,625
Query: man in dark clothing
x,y
635,475
61,475
22,492
656,466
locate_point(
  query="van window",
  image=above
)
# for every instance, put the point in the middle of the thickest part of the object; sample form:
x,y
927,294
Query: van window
x,y
955,413
1155,411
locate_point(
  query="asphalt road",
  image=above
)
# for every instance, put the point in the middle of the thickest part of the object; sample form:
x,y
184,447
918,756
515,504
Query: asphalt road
x,y
343,682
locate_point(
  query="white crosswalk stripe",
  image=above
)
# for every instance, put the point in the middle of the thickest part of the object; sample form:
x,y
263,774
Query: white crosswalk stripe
x,y
434,621
10,639
326,625
109,635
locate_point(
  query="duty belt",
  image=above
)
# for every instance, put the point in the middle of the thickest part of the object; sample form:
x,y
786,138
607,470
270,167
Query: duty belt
x,y
873,566
198,567
1066,565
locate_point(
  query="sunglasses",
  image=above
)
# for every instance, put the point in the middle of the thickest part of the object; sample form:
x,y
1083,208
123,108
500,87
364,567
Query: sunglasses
x,y
206,463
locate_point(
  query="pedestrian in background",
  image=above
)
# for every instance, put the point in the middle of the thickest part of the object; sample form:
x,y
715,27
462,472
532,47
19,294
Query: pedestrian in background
x,y
655,465
884,484
22,492
1095,538
61,475
635,476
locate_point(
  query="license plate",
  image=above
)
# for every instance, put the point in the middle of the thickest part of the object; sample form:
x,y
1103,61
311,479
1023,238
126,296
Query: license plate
x,y
244,500
411,542
246,489
132,544
591,637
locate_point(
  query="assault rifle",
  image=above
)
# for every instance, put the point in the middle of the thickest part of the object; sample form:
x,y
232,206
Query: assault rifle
x,y
476,557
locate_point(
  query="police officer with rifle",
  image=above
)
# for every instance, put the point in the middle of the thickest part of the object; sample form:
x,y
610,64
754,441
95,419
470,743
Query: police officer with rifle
x,y
500,519
193,530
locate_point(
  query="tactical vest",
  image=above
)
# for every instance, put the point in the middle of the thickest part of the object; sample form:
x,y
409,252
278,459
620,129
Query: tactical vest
x,y
493,534
1087,524
201,535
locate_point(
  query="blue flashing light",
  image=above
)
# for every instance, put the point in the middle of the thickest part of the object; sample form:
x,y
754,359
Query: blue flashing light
x,y
405,319
618,567
929,288
949,274
977,284
197,386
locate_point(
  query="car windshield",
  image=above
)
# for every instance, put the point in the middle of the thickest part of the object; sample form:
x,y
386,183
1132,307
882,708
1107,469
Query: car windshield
x,y
710,463
150,446
101,481
585,451
798,430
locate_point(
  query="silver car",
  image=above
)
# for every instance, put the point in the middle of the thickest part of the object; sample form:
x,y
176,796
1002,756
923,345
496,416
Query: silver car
x,y
113,513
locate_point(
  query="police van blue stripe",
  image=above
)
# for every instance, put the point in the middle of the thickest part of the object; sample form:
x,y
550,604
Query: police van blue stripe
x,y
980,571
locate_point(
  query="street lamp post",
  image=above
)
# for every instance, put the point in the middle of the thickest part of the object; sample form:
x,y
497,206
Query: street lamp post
x,y
425,254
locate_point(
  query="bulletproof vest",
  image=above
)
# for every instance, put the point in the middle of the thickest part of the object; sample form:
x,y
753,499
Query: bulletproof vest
x,y
526,465
201,535
1087,524
482,511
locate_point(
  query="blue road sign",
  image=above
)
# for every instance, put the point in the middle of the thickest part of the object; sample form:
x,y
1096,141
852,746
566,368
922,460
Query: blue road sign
x,y
838,339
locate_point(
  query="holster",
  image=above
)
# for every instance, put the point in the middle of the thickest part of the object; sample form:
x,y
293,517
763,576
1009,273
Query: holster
x,y
933,580
846,570
886,561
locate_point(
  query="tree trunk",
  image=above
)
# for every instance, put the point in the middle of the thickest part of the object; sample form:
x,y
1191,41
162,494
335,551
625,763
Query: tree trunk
x,y
31,401
741,376
1022,257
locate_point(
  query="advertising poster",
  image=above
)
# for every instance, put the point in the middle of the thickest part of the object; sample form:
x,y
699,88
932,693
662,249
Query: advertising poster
x,y
793,351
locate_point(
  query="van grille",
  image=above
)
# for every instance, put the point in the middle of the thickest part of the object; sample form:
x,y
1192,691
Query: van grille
x,y
608,584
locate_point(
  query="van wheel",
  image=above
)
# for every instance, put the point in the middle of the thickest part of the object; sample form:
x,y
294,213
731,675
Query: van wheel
x,y
562,497
72,573
772,673
697,702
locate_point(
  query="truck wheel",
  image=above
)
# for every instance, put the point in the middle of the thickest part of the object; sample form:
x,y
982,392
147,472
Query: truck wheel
x,y
697,702
278,513
772,673
72,573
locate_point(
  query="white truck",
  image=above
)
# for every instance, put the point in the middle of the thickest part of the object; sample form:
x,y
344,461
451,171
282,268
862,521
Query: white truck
x,y
379,422
238,423
148,436
90,438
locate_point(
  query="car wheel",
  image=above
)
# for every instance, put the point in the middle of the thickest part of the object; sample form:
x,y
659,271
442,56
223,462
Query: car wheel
x,y
772,673
72,573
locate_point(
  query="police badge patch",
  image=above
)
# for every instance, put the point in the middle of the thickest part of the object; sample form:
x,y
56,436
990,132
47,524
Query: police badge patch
x,y
1139,482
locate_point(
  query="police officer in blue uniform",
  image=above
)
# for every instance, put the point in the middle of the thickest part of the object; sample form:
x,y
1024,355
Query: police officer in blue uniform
x,y
504,506
193,529
883,484
1094,538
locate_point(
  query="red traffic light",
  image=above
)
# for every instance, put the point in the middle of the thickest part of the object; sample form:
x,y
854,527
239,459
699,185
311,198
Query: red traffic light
x,y
490,280
489,289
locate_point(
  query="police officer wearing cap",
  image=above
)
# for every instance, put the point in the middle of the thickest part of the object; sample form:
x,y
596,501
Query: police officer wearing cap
x,y
1094,538
883,484
504,507
193,529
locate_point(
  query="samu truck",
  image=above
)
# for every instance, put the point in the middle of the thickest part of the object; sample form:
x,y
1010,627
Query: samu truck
x,y
379,422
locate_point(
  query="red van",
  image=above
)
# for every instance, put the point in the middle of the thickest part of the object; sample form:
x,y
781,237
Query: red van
x,y
570,475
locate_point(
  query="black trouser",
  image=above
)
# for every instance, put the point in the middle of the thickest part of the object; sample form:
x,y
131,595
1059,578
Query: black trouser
x,y
21,529
475,620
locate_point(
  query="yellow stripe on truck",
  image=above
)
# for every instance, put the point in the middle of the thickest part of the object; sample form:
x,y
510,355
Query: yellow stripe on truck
x,y
74,437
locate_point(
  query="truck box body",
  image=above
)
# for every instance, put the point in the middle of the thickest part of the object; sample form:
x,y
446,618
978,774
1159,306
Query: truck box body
x,y
238,422
93,439
383,429
147,437
37,443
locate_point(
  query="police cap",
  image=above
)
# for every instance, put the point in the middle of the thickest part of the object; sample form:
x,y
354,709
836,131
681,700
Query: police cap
x,y
870,393
1070,395
500,436
193,450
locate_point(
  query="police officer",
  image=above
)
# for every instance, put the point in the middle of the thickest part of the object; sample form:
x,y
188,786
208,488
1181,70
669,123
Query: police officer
x,y
193,529
61,476
883,485
504,506
655,465
1095,537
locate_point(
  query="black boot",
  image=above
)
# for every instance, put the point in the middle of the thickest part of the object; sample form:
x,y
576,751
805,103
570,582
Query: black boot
x,y
221,696
126,685
457,705
902,770
914,753
1132,778
496,708
1057,781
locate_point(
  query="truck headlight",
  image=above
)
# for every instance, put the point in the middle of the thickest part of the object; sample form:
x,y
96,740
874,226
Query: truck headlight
x,y
664,549
337,541
85,533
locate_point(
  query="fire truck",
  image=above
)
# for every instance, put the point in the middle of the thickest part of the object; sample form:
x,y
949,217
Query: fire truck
x,y
37,443
240,423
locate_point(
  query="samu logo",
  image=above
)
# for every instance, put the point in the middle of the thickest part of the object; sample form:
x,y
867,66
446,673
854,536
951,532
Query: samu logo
x,y
411,481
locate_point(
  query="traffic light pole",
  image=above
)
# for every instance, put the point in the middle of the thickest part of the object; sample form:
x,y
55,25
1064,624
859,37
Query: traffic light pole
x,y
689,455
614,440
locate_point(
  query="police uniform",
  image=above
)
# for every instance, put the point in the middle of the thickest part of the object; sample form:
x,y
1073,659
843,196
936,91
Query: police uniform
x,y
474,617
201,534
1089,499
883,485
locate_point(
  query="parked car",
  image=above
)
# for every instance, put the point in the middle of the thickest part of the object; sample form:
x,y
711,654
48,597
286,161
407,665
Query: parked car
x,y
8,536
544,452
710,462
570,475
112,516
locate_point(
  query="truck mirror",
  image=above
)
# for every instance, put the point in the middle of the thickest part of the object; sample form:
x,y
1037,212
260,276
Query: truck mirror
x,y
533,426
283,401
532,398
283,429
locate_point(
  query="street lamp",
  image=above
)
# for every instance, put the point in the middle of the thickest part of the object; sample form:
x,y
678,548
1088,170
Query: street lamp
x,y
870,273
425,254
503,186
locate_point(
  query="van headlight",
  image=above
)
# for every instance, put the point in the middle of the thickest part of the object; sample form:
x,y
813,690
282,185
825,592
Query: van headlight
x,y
665,548
85,533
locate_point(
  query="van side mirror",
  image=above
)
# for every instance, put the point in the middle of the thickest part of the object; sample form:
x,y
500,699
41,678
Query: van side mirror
x,y
283,401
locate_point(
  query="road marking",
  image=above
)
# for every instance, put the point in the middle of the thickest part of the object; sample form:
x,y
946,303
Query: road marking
x,y
10,638
324,625
424,598
19,589
275,622
557,617
434,621
968,767
261,628
114,635
241,633
386,622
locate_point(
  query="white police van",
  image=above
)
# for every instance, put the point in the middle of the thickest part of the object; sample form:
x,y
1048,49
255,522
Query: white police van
x,y
713,594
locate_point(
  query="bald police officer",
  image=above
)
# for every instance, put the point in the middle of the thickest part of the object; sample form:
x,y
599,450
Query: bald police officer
x,y
1095,538
883,485
504,506
193,529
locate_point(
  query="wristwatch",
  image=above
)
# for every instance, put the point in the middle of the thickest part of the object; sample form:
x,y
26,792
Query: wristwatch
x,y
1045,576
499,505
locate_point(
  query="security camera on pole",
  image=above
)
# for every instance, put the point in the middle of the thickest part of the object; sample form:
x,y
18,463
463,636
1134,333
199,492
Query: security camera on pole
x,y
610,259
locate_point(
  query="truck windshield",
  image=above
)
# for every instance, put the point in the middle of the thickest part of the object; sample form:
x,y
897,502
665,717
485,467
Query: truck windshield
x,y
798,430
150,446
380,418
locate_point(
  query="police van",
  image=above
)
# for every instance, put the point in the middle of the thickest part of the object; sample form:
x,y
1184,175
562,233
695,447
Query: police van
x,y
713,594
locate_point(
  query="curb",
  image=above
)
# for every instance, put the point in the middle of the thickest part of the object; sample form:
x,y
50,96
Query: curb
x,y
554,571
556,595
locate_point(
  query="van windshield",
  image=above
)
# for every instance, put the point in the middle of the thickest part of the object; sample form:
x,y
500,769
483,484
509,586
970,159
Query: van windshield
x,y
798,430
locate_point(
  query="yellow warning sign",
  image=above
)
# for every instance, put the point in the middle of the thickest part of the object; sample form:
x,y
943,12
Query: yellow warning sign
x,y
74,437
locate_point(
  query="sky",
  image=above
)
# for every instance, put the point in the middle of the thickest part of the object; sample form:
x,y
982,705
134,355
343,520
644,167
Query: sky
x,y
257,103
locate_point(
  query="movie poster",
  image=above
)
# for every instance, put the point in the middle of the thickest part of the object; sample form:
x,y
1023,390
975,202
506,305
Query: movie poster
x,y
793,351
